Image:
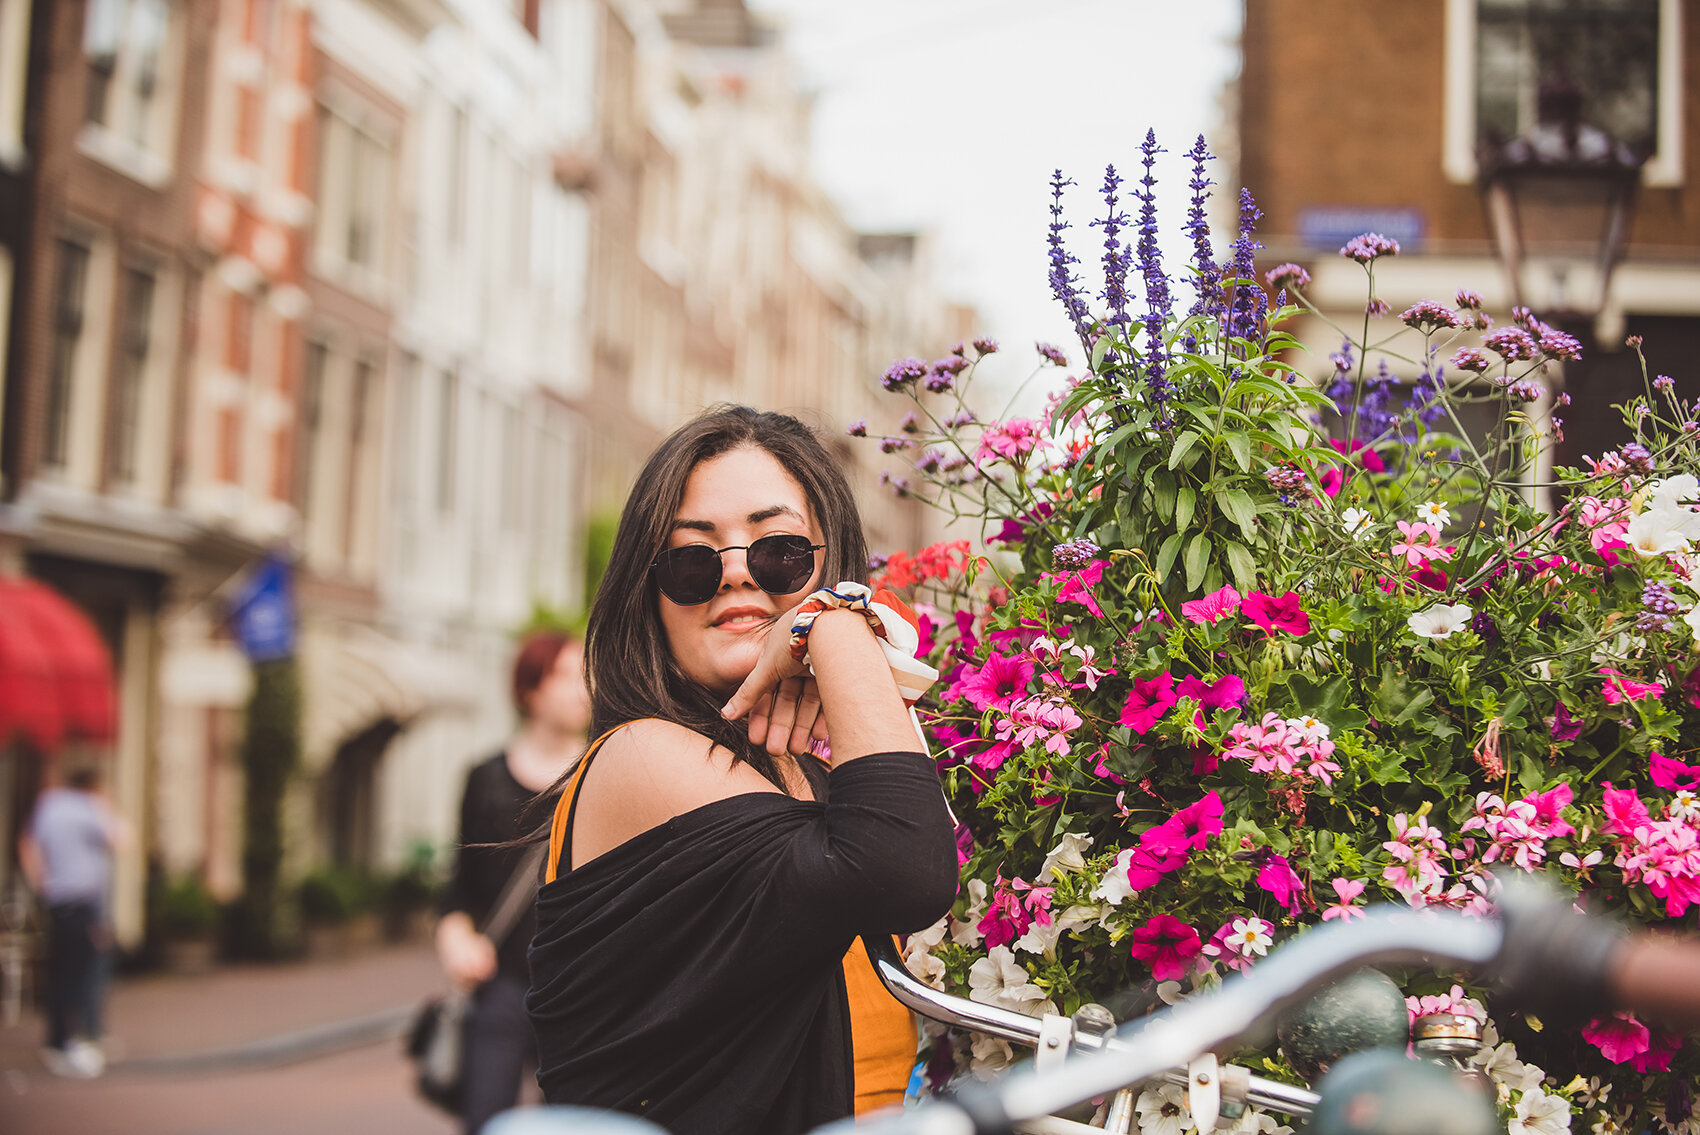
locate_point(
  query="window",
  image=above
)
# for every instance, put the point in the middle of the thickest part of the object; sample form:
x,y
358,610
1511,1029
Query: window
x,y
354,187
312,415
130,371
69,298
1621,59
127,110
455,176
448,400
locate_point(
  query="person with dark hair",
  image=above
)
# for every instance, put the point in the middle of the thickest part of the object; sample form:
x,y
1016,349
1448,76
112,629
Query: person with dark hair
x,y
696,960
66,852
553,705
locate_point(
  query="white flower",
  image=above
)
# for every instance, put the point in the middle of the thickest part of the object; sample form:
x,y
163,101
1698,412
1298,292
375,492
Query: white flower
x,y
1693,621
918,954
1254,1122
1543,670
1500,1062
1540,1114
1440,620
1046,649
998,979
990,1056
1662,529
1066,857
967,932
1169,992
1672,491
1435,513
1607,1124
1040,939
1250,936
1309,727
1684,806
1115,887
1357,523
1163,1111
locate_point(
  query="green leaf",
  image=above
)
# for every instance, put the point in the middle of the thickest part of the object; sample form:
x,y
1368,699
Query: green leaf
x,y
1240,446
1166,556
1237,506
1242,564
1185,499
1183,446
1163,494
1197,560
1099,349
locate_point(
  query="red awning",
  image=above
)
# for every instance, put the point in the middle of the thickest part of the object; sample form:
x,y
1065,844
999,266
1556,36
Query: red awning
x,y
55,671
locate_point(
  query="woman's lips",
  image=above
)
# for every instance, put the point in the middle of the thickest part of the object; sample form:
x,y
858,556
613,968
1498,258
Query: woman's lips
x,y
739,619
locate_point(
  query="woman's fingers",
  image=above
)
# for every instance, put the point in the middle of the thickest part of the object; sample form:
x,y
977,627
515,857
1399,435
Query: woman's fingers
x,y
807,719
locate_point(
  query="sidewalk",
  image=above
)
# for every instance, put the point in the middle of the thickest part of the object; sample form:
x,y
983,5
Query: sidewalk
x,y
248,1015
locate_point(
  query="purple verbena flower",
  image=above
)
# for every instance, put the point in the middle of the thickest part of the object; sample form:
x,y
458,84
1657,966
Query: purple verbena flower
x,y
1427,313
858,428
1527,390
1284,478
904,372
1378,308
894,444
1663,382
1470,359
1636,456
986,346
1289,275
911,423
1468,299
1661,606
1050,354
1369,247
1556,344
1074,555
1510,343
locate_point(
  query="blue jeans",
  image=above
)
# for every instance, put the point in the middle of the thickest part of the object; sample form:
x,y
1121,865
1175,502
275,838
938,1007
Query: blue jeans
x,y
500,1047
77,968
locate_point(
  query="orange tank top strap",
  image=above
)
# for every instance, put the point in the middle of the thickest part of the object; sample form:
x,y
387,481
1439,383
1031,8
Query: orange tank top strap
x,y
561,828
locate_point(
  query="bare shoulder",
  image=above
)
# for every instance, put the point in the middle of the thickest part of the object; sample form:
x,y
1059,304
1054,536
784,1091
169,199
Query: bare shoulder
x,y
646,774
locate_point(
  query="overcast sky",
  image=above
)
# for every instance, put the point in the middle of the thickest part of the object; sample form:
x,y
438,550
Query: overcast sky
x,y
950,115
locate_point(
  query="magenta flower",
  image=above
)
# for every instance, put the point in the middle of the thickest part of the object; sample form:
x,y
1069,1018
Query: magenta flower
x,y
1213,607
1672,774
1419,544
1012,441
1564,727
1148,701
1277,614
1624,810
1166,944
997,683
1279,879
1146,866
1347,889
1005,919
1369,246
1619,687
1220,694
1619,1037
1657,1058
1077,586
1188,830
1548,820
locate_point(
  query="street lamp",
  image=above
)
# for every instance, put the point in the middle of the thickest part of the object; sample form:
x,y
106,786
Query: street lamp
x,y
1559,199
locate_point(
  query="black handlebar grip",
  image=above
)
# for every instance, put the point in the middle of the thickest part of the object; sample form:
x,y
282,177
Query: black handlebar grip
x,y
1556,961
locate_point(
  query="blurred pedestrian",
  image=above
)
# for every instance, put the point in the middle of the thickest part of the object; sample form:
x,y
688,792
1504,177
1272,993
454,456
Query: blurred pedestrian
x,y
66,852
553,704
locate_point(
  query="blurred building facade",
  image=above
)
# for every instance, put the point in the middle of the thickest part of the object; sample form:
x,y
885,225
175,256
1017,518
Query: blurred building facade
x,y
403,289
1355,118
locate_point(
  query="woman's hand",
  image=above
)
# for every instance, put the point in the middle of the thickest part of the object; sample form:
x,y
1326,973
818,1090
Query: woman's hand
x,y
468,957
779,698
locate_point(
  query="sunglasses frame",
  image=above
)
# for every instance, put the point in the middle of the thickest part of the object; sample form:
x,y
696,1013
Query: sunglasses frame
x,y
655,565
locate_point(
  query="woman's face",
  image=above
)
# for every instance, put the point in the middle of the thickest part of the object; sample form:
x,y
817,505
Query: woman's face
x,y
731,501
562,699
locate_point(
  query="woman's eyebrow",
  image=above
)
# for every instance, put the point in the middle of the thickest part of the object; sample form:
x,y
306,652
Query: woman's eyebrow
x,y
755,517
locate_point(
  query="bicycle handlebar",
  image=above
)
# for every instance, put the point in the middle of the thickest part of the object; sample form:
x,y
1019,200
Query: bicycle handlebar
x,y
1147,1049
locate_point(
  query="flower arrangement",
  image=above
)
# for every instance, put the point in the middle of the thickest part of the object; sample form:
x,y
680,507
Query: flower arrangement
x,y
1250,651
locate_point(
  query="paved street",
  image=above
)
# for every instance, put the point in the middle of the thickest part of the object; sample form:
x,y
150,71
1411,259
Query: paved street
x,y
245,1050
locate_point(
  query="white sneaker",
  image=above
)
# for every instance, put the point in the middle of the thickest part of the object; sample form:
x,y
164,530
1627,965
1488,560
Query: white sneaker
x,y
86,1057
58,1061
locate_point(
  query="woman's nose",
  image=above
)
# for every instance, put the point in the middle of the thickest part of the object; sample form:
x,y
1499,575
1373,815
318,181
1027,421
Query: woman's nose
x,y
735,568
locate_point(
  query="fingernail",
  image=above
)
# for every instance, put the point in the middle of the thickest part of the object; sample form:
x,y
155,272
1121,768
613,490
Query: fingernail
x,y
726,711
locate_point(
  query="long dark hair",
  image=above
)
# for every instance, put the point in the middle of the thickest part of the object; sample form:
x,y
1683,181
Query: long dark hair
x,y
632,671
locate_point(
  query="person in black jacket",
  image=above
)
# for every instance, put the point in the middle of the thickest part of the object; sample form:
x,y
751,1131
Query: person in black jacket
x,y
553,705
707,875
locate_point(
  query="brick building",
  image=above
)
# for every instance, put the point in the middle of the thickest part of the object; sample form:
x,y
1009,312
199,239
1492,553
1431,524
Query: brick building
x,y
1376,117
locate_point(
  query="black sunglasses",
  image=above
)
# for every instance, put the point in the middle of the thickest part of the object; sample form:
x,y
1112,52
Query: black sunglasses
x,y
779,565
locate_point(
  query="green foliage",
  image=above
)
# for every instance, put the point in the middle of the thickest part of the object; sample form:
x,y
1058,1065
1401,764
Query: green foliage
x,y
271,751
184,908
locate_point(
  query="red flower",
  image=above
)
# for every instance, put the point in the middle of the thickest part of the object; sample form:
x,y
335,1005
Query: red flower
x,y
1166,944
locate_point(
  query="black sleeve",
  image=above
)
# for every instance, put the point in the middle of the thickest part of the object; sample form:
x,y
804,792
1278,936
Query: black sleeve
x,y
883,859
460,894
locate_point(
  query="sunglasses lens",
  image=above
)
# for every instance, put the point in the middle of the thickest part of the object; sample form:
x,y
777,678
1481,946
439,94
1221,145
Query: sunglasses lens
x,y
781,564
688,575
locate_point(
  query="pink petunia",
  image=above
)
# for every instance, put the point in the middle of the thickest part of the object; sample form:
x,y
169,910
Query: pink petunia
x,y
1148,701
1077,586
1624,810
1548,821
1011,441
1418,545
1277,614
1220,694
1279,879
1657,1058
1213,607
1619,1037
998,682
1166,944
1671,774
1619,687
1188,830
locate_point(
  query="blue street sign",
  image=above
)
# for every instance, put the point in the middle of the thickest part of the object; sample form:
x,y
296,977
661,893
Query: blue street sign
x,y
263,612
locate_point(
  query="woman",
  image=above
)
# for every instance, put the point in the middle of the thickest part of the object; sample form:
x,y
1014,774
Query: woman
x,y
690,960
553,705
